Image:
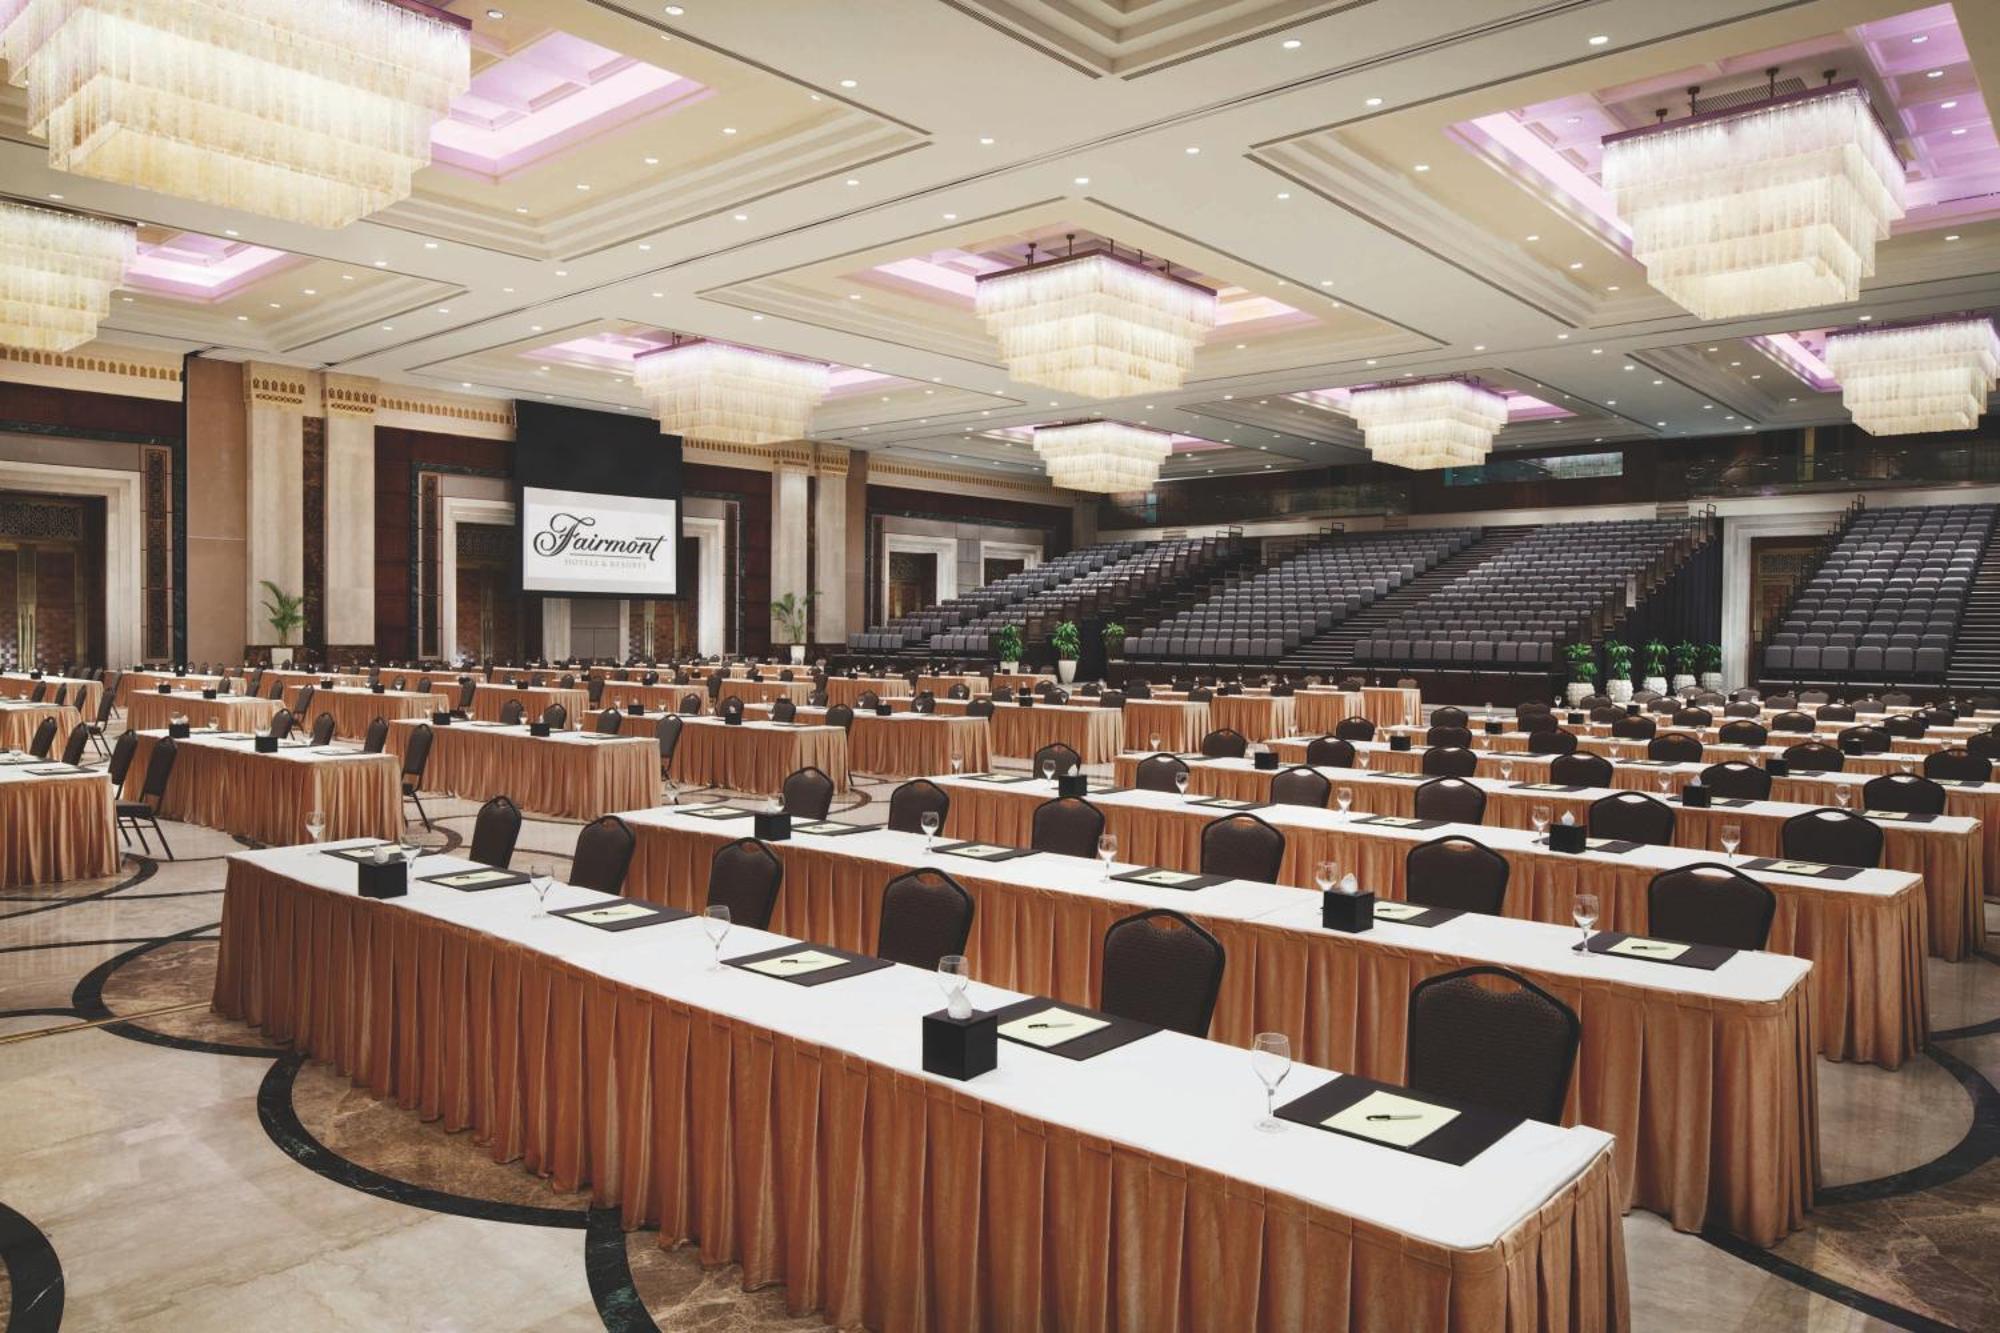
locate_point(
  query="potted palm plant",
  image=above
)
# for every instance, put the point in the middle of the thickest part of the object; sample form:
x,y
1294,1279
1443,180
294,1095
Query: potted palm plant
x,y
1618,670
1582,662
1711,666
1114,639
1007,643
791,619
1685,654
1653,661
284,613
1067,641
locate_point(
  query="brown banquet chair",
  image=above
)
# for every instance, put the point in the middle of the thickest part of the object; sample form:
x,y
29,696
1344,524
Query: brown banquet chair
x,y
926,915
1677,747
1163,969
415,760
1838,837
1448,737
1355,729
745,877
1302,786
1904,792
377,736
1815,757
1453,800
667,731
1224,743
1737,781
1457,872
73,747
323,729
1066,826
1066,760
1710,904
495,832
44,739
159,771
1156,772
1330,752
1634,817
1242,847
513,713
1491,1038
556,717
1555,741
807,794
609,722
603,854
1957,764
281,724
1742,731
1450,761
909,803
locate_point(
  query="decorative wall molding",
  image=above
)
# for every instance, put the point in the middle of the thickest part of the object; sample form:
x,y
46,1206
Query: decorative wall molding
x,y
911,476
131,372
444,413
353,396
287,388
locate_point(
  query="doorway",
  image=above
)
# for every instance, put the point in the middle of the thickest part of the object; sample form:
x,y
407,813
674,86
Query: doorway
x,y
912,581
996,568
51,581
488,627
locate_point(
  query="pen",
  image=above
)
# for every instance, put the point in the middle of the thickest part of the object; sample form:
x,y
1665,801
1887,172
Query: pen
x,y
1385,1116
1051,1025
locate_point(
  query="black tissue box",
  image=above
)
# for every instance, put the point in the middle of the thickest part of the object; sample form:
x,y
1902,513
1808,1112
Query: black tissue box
x,y
265,744
34,675
772,826
326,682
1695,796
1494,726
961,1048
1027,701
1567,838
636,708
177,730
441,719
1073,784
1399,742
538,728
378,688
208,694
1777,767
166,688
1351,912
1631,710
1578,719
1265,760
884,710
382,879
732,719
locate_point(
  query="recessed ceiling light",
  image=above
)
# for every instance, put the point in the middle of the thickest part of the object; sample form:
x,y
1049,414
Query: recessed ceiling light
x,y
1479,347
520,210
1291,43
430,245
1373,101
729,129
1735,363
756,317
1191,150
381,263
1612,288
1371,360
853,181
1959,130
55,196
1952,237
1284,194
1918,41
1576,264
1534,236
847,83
652,161
444,310
465,384
347,277
1082,180
1659,381
854,296
243,317
1934,74
388,328
312,291
1562,337
534,328
1946,106
1598,40
1866,318
126,299
645,245
675,11
742,217
1708,407
1423,166
562,273
496,14
951,217
1597,351
659,293
1609,402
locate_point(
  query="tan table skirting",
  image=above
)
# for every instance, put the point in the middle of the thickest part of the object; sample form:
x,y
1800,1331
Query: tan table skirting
x,y
1867,950
908,746
230,712
19,722
1320,711
845,690
1255,717
346,679
736,1137
1982,804
135,682
1387,705
266,797
768,689
489,700
354,709
57,829
85,694
1180,725
1018,680
1094,733
974,683
1713,1102
544,775
757,757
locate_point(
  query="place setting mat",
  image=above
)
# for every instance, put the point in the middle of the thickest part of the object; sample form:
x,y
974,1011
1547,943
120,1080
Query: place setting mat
x,y
1900,816
832,828
1160,877
1397,777
620,914
1810,869
478,879
1002,779
1414,914
1392,1117
982,851
808,964
1400,821
1068,1030
1553,788
1233,806
716,812
1706,957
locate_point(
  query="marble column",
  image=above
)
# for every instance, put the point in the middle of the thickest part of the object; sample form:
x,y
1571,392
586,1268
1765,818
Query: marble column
x,y
555,628
274,514
791,488
830,545
216,509
350,509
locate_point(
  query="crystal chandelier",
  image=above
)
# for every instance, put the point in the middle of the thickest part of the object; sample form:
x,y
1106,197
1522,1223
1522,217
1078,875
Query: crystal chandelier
x,y
313,111
1096,324
1921,377
718,393
1770,207
1437,423
56,275
1107,456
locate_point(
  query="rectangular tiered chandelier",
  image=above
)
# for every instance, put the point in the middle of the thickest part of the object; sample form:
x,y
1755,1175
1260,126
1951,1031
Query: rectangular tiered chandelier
x,y
314,111
1774,206
1104,456
718,393
1899,381
1097,324
57,272
1433,424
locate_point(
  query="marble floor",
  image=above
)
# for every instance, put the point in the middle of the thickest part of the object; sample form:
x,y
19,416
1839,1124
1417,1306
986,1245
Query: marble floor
x,y
161,1169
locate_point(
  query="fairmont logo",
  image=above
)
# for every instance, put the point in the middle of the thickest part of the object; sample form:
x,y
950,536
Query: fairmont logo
x,y
566,534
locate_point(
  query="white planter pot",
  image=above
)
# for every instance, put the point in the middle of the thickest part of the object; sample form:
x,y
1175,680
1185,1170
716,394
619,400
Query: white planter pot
x,y
1711,680
1620,690
798,653
1579,690
1657,684
1683,683
281,657
1066,671
1009,668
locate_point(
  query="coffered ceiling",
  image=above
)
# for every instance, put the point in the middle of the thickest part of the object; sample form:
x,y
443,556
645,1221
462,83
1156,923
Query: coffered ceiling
x,y
1377,189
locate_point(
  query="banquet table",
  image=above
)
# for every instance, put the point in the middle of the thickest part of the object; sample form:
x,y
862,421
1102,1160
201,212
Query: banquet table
x,y
58,825
288,679
1095,733
568,774
1386,705
940,684
1179,724
849,689
152,711
19,721
138,682
353,709
1019,680
1865,935
768,689
489,700
220,782
757,756
905,744
728,1109
1255,717
85,694
1650,1031
1320,711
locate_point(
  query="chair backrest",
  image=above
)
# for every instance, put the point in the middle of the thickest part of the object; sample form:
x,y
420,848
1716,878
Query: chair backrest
x,y
1863,739
807,793
556,717
958,690
1066,760
784,710
1693,717
1302,786
603,854
1163,969
1156,772
1958,764
1835,713
513,712
1580,770
1676,747
1635,728
1492,1038
377,736
1710,904
731,706
910,802
1737,780
667,731
1455,737
1793,721
418,753
924,702
1743,708
1330,752
1067,826
1985,744
1355,729
1242,847
1906,792
1815,757
1451,799
122,751
495,832
1449,716
594,691
1552,741
107,700
281,723
1607,713
79,736
1450,761
1633,816
1837,837
159,769
44,739
979,708
1224,743
926,915
1457,872
1742,731
609,722
467,687
745,877
323,728
840,715
868,699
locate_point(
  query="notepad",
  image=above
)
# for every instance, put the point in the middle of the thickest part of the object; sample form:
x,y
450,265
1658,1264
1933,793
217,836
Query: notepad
x,y
1636,947
1391,821
1050,1027
1169,879
488,878
604,916
798,964
1387,911
1388,1118
1796,867
1223,803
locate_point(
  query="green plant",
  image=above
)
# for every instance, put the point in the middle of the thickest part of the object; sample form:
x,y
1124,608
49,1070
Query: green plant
x,y
791,616
1617,659
1711,657
1007,642
1654,656
283,611
1684,655
1067,640
1582,661
1114,638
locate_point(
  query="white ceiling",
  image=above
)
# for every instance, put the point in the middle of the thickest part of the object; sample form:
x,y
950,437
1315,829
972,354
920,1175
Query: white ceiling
x,y
860,136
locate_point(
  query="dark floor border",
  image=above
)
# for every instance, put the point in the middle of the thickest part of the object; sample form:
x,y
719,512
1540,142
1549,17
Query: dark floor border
x,y
34,1275
1821,1285
88,1001
146,870
1980,1145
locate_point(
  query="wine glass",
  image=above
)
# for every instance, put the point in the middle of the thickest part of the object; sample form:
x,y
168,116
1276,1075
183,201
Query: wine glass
x,y
715,924
1325,874
1506,770
1843,796
542,878
1539,817
673,792
1107,851
1664,782
1361,762
1180,782
1153,742
1271,1060
957,764
1907,763
953,976
1732,838
316,824
1583,910
406,842
928,822
1049,769
1344,798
